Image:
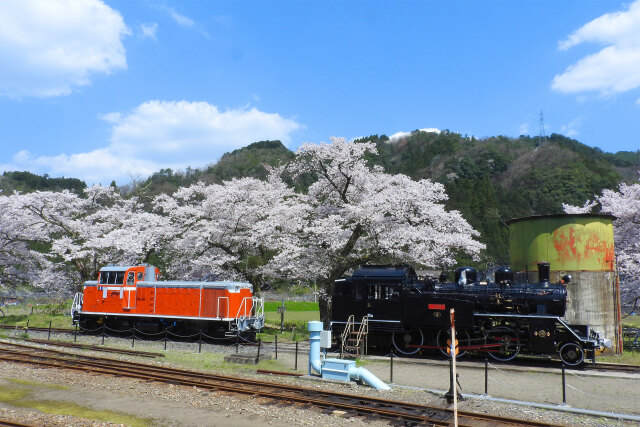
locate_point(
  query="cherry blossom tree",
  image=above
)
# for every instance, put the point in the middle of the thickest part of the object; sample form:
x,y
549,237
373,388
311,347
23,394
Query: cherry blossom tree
x,y
229,229
356,214
18,263
624,204
77,235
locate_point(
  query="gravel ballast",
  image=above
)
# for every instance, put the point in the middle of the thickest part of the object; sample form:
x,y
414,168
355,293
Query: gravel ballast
x,y
414,381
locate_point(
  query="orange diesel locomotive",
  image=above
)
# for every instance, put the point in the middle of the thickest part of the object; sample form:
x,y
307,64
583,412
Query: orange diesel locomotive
x,y
132,296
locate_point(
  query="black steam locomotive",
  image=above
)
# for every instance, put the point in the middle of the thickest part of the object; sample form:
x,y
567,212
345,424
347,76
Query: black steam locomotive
x,y
500,317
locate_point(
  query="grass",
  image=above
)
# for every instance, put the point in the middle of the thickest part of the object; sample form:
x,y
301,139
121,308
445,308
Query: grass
x,y
293,317
34,383
21,395
39,320
216,363
627,357
631,321
272,306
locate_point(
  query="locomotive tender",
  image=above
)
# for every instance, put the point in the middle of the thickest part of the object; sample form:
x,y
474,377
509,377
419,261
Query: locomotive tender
x,y
501,317
126,296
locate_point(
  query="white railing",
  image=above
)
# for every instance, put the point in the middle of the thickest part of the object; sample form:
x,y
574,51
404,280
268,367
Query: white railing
x,y
218,308
77,304
258,307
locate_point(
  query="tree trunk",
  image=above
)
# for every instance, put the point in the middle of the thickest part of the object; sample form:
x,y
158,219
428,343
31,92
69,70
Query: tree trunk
x,y
325,288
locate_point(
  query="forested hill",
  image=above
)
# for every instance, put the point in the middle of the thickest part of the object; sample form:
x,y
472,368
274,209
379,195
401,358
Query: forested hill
x,y
494,179
27,181
489,180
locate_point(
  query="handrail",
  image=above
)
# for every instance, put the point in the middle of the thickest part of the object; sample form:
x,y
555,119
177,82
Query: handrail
x,y
218,307
258,307
348,328
242,304
364,330
361,335
76,305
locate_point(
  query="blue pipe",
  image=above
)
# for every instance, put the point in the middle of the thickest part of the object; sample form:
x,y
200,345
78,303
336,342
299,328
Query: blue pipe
x,y
368,378
314,328
354,373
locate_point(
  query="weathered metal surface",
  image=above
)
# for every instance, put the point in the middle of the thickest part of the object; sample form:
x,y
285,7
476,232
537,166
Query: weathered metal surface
x,y
580,245
568,242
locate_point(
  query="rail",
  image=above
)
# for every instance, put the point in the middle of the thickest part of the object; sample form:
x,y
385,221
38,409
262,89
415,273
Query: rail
x,y
397,411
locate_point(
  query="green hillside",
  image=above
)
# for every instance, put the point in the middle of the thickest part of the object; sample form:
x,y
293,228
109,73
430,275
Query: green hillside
x,y
27,182
494,179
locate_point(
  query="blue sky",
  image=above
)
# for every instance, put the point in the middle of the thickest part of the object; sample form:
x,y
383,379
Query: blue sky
x,y
105,90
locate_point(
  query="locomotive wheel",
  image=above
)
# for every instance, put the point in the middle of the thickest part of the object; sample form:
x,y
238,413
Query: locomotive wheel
x,y
571,354
464,340
509,344
402,341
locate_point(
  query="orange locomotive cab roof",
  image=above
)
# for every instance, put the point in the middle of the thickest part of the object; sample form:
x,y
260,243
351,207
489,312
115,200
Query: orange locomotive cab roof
x,y
182,284
231,286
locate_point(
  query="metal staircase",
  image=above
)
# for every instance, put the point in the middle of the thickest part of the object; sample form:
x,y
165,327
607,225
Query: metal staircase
x,y
354,342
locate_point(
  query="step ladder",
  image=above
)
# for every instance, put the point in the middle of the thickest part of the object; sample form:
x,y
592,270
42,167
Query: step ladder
x,y
354,342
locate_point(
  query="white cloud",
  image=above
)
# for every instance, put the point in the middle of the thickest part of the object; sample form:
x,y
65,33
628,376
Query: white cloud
x,y
110,117
149,30
162,134
400,135
616,67
179,18
185,21
49,47
570,129
524,129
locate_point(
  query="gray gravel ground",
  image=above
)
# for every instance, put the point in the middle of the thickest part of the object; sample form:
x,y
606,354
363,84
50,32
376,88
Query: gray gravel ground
x,y
414,381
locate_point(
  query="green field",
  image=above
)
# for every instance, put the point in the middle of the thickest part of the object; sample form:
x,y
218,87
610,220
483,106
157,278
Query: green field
x,y
272,306
631,321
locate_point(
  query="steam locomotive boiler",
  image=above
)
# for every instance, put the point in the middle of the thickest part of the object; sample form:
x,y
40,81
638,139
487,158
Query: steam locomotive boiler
x,y
500,317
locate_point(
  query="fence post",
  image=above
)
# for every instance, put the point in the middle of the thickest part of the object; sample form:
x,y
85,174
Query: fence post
x,y
133,337
103,327
564,383
486,376
391,367
165,337
296,365
276,346
75,333
237,340
258,356
27,331
49,335
200,342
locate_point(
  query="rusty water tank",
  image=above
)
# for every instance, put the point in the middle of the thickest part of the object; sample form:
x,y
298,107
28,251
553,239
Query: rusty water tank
x,y
580,245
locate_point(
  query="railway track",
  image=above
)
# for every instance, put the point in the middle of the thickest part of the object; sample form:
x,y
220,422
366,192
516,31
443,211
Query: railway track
x,y
304,347
37,329
618,367
401,412
96,348
9,423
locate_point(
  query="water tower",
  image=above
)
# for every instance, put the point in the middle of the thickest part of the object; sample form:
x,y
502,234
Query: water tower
x,y
580,245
